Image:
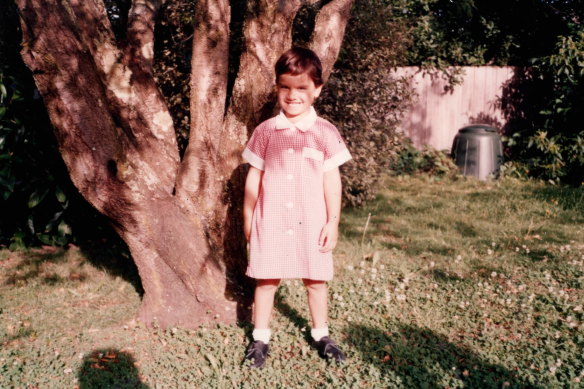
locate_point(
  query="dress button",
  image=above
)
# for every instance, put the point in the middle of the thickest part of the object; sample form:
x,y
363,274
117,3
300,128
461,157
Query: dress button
x,y
290,151
290,232
289,176
289,205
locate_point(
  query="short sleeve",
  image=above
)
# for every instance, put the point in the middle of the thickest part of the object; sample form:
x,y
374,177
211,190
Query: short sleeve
x,y
335,152
255,151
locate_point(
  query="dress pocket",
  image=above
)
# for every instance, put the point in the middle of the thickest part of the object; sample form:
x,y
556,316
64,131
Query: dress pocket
x,y
308,152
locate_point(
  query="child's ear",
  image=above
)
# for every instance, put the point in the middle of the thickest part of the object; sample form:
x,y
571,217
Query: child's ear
x,y
317,91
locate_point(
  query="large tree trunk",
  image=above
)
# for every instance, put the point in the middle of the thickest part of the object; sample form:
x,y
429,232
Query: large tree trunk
x,y
180,219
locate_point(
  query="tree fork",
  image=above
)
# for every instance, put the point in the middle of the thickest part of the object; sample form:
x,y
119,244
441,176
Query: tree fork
x,y
180,219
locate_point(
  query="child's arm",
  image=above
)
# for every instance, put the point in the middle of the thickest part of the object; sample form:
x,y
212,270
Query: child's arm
x,y
332,196
253,183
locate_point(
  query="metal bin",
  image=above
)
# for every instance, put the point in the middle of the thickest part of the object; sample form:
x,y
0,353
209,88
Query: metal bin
x,y
477,151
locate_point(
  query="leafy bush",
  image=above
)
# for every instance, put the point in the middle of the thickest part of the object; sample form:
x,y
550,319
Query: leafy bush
x,y
366,107
32,201
542,104
172,63
427,161
365,100
479,32
559,144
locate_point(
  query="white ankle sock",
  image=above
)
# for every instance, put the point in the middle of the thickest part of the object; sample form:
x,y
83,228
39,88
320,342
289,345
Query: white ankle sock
x,y
318,333
262,334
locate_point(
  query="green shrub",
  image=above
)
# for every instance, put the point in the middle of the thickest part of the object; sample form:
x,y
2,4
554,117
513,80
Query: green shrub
x,y
32,201
543,107
366,107
364,100
425,161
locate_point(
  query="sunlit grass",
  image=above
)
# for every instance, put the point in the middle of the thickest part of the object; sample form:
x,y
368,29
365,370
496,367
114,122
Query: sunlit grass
x,y
453,284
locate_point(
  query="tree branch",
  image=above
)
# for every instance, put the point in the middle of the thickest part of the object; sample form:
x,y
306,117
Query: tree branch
x,y
140,35
208,85
112,124
266,37
71,86
134,100
328,33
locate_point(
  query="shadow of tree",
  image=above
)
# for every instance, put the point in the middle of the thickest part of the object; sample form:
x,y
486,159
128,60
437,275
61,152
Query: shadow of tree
x,y
109,368
31,266
421,358
101,245
238,286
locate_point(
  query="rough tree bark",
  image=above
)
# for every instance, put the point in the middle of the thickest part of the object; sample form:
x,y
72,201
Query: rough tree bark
x,y
180,219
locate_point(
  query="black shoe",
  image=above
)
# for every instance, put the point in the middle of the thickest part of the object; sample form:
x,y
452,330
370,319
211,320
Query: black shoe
x,y
327,348
257,351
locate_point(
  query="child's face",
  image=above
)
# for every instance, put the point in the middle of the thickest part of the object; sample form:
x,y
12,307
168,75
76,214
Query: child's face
x,y
296,95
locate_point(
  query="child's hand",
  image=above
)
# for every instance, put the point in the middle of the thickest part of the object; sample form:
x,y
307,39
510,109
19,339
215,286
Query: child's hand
x,y
328,237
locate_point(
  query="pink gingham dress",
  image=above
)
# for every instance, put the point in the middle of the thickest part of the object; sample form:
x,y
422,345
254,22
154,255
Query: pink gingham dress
x,y
290,211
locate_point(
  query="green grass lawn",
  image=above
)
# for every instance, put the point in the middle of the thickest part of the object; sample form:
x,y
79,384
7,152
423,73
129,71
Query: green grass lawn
x,y
452,284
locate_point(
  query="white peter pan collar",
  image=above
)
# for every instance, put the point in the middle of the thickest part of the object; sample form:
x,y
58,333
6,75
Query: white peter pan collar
x,y
282,122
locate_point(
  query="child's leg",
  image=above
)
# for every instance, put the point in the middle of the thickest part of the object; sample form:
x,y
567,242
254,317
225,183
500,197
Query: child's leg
x,y
317,302
263,302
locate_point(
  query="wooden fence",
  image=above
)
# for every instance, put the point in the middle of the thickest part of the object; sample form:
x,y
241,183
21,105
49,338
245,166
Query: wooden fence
x,y
438,113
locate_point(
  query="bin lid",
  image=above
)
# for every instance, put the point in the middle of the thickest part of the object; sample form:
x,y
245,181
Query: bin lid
x,y
477,129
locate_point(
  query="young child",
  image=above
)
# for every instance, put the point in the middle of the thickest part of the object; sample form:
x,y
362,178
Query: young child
x,y
292,201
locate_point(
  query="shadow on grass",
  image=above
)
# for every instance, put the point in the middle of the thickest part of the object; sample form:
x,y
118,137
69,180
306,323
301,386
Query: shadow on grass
x,y
22,333
420,358
105,253
541,255
569,198
103,247
291,313
109,368
110,254
97,242
440,275
465,230
31,266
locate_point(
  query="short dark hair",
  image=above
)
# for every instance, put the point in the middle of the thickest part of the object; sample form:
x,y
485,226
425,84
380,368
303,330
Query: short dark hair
x,y
299,60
